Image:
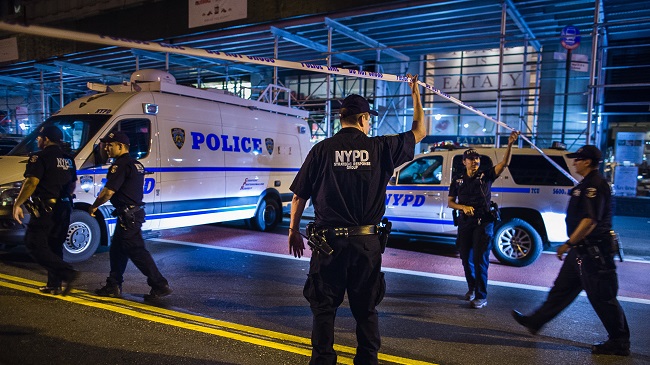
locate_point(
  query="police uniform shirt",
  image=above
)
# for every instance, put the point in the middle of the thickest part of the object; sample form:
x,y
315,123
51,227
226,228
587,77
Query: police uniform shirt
x,y
346,176
591,198
126,178
55,171
474,191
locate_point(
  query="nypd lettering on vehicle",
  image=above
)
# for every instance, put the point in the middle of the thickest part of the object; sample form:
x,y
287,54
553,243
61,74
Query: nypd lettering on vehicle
x,y
405,200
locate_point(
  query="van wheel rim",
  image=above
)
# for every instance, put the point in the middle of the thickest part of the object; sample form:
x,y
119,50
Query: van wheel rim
x,y
269,215
79,237
515,243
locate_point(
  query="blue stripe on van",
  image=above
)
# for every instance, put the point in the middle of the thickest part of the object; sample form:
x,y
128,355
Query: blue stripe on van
x,y
200,169
187,214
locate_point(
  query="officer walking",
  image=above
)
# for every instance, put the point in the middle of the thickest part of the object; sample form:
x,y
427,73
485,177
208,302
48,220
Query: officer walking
x,y
472,188
125,181
589,264
50,180
346,177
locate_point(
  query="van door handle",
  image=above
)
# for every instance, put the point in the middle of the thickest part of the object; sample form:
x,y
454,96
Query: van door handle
x,y
148,172
432,194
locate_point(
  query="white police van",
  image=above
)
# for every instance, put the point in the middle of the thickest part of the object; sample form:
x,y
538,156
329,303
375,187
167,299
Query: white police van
x,y
532,195
209,157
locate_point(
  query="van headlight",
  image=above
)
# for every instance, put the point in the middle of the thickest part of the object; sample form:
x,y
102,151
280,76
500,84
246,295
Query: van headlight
x,y
9,192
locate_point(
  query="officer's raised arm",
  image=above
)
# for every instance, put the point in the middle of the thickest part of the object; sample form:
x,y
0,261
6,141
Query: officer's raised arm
x,y
418,127
498,168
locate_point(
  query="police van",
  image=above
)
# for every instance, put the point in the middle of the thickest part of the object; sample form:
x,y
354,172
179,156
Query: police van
x,y
209,156
532,195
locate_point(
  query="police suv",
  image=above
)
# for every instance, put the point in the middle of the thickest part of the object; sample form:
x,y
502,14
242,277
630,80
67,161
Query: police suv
x,y
532,195
209,157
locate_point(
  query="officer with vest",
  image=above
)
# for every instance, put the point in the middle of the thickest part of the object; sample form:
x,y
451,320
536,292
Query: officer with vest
x,y
589,264
124,185
346,177
50,180
472,188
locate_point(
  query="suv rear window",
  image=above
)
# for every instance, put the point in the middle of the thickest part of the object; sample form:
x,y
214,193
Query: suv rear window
x,y
536,170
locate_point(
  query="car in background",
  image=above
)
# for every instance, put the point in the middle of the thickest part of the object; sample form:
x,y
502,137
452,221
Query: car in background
x,y
532,195
8,143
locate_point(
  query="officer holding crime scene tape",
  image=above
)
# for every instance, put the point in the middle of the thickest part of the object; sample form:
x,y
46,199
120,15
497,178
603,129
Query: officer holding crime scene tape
x,y
470,195
589,262
124,184
346,177
50,180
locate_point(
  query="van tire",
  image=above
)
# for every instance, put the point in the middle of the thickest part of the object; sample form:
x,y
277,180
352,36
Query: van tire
x,y
84,236
516,243
267,216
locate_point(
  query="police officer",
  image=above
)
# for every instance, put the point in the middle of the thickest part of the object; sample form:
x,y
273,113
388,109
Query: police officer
x,y
472,188
124,184
589,264
346,177
50,180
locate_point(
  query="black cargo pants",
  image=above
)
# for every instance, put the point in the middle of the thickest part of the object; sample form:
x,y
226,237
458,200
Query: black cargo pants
x,y
355,267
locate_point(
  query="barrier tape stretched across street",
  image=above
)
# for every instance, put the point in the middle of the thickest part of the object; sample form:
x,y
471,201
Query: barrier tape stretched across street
x,y
234,57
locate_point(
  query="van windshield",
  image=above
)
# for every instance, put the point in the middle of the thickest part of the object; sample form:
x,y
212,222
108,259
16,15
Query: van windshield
x,y
77,131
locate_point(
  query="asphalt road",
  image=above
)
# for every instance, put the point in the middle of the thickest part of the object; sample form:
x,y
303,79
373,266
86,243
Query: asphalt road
x,y
238,300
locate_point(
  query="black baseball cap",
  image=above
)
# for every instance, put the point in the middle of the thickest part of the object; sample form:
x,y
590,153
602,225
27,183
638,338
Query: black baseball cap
x,y
470,153
355,104
587,152
118,136
53,133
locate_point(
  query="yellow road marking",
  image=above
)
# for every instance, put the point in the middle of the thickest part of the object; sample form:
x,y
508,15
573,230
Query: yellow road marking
x,y
257,336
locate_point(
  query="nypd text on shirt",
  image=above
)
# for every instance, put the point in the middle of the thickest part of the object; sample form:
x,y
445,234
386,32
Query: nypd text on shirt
x,y
352,159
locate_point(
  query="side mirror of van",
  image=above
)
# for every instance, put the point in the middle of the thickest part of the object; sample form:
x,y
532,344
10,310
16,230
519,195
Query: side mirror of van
x,y
392,181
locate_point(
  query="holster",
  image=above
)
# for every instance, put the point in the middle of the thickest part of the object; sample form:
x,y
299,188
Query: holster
x,y
317,239
38,207
126,216
384,230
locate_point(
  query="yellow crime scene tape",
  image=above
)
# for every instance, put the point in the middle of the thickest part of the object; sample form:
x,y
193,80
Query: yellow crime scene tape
x,y
235,57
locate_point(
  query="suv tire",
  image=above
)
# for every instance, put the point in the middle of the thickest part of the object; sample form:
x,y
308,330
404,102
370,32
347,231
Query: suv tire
x,y
516,243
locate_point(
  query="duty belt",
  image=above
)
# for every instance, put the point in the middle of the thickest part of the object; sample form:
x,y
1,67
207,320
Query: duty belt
x,y
355,231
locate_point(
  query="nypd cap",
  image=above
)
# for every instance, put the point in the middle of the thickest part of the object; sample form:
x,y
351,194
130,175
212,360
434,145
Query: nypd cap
x,y
355,104
118,136
587,152
53,133
470,153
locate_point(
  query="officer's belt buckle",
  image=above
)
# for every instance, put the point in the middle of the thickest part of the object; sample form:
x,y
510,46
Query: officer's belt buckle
x,y
355,231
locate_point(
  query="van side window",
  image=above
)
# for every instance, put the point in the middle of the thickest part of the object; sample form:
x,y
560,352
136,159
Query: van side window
x,y
457,166
536,170
139,132
426,170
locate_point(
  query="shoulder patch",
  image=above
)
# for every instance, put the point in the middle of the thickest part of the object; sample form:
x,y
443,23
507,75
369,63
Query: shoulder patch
x,y
591,193
113,169
33,158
